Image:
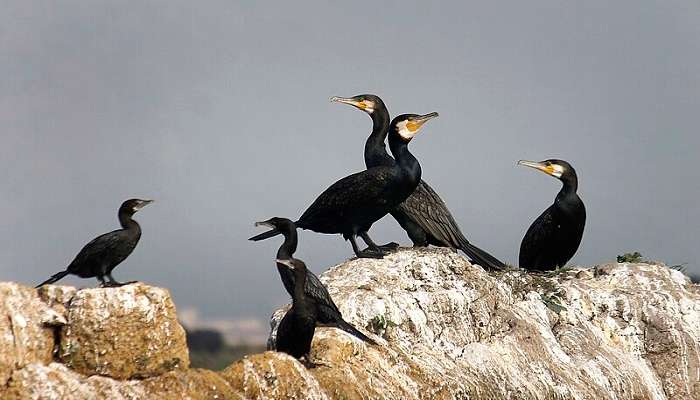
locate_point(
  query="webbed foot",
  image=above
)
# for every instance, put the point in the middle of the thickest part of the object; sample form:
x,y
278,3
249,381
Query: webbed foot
x,y
116,284
368,253
389,246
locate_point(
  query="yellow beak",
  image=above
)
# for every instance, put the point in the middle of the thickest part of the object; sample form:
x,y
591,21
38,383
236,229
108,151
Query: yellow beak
x,y
547,169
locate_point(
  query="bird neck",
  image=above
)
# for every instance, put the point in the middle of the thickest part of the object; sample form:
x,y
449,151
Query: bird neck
x,y
299,296
569,186
375,148
287,249
127,222
404,159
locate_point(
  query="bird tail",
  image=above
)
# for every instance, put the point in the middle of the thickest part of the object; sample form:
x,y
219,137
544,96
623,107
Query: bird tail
x,y
481,257
345,326
55,277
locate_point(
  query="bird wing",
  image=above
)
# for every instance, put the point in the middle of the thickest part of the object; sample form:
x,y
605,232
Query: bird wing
x,y
363,188
537,237
316,290
110,244
428,210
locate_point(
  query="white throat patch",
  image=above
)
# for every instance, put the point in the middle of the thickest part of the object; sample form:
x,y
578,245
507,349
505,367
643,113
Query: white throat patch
x,y
404,131
558,170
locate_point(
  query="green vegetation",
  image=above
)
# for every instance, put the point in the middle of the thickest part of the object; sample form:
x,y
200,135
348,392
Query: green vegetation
x,y
379,324
635,257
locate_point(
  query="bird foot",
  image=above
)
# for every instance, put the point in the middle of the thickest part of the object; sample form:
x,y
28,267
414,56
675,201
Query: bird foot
x,y
385,248
389,246
116,284
368,253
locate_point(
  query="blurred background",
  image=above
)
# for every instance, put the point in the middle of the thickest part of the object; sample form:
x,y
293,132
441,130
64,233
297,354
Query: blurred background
x,y
219,110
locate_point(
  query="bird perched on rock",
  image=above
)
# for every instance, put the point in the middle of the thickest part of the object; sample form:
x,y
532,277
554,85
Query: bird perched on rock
x,y
296,330
351,205
99,257
554,237
423,215
327,312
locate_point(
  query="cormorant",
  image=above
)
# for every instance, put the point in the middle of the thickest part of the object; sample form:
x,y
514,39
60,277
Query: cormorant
x,y
351,205
555,235
327,312
296,330
99,257
423,215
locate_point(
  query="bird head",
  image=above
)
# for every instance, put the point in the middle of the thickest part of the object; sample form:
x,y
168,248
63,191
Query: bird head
x,y
368,103
278,223
408,125
132,206
559,169
293,264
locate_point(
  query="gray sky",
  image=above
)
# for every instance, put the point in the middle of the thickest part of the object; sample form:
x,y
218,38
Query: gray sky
x,y
220,112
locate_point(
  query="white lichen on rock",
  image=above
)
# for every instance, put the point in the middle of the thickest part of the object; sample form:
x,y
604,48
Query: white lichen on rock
x,y
618,331
25,337
446,330
126,332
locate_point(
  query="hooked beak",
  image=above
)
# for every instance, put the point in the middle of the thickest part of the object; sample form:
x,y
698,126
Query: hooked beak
x,y
144,203
349,100
414,124
264,223
287,263
549,170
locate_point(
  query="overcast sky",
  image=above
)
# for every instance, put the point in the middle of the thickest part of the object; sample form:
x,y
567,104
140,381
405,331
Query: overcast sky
x,y
219,111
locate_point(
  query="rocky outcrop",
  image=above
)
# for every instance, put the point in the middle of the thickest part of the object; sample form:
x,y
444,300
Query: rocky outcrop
x,y
446,330
129,332
62,343
450,330
26,336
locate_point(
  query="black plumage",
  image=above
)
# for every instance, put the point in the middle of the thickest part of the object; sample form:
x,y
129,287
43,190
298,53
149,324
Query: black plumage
x,y
351,205
554,237
327,312
99,257
423,215
296,330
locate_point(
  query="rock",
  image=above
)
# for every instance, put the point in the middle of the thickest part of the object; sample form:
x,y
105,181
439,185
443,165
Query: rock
x,y
25,337
194,384
126,332
451,330
446,330
273,375
56,381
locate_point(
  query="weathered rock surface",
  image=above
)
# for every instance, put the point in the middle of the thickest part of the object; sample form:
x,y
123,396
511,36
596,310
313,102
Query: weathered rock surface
x,y
25,336
447,330
56,381
619,331
126,332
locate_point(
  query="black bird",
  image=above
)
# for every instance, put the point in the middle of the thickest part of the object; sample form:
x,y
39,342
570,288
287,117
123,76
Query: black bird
x,y
327,312
99,257
555,235
423,215
296,330
351,205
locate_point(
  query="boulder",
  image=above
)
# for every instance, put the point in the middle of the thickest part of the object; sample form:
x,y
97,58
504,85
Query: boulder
x,y
57,382
126,332
26,333
445,330
452,330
